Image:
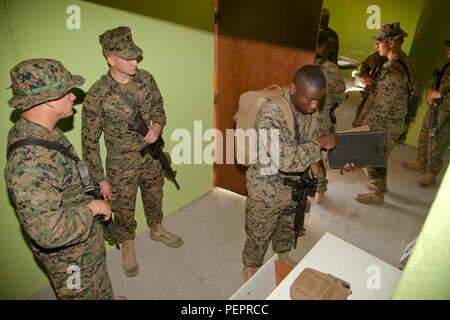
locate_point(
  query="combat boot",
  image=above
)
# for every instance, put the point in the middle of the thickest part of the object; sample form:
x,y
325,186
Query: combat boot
x,y
129,263
427,181
370,198
320,195
249,272
284,257
415,166
158,233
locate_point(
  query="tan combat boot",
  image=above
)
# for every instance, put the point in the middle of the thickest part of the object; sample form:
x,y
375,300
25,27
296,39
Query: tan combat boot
x,y
249,272
427,181
415,166
284,257
129,263
319,197
370,198
158,233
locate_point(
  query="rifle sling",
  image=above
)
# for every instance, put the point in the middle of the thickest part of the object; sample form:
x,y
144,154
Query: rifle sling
x,y
51,145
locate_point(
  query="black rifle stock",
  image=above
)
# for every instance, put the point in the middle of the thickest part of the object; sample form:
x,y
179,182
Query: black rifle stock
x,y
137,123
301,189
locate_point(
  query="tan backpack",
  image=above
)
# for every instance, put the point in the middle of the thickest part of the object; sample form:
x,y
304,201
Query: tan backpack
x,y
250,104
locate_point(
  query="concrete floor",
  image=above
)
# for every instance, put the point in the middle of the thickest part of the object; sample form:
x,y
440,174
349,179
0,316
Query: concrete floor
x,y
208,265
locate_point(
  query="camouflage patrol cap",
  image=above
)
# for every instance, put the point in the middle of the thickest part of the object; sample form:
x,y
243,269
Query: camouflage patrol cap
x,y
119,42
390,31
36,81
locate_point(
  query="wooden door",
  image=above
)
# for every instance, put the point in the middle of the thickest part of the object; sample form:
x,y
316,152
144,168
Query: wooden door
x,y
257,43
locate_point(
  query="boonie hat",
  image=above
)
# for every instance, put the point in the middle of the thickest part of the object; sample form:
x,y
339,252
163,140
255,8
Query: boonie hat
x,y
35,81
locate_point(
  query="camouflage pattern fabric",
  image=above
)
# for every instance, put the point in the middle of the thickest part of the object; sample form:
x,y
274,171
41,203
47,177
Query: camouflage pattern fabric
x,y
268,198
52,209
372,63
119,42
370,67
105,111
390,31
335,94
38,80
94,284
389,110
441,139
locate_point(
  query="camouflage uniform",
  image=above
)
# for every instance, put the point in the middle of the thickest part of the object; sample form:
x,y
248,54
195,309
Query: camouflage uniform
x,y
334,96
46,189
105,111
390,105
441,139
268,198
370,67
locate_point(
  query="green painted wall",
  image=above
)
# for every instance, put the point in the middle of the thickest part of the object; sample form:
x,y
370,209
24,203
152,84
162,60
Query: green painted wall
x,y
180,56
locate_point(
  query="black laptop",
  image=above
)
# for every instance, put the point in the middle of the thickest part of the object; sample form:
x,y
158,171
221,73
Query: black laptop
x,y
364,149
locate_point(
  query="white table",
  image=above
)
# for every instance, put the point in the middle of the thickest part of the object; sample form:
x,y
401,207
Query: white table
x,y
370,278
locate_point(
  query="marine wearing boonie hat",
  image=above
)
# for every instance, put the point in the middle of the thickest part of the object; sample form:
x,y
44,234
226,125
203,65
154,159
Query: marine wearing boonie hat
x,y
36,81
119,42
390,31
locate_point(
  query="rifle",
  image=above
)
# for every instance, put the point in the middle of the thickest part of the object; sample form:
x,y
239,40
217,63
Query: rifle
x,y
93,188
137,123
368,88
365,94
301,189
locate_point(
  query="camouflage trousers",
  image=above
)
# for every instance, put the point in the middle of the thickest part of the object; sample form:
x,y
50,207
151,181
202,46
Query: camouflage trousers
x,y
262,224
378,176
148,175
439,143
93,283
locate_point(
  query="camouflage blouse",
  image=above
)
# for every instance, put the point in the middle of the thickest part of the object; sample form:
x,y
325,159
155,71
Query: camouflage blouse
x,y
50,202
105,111
292,156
